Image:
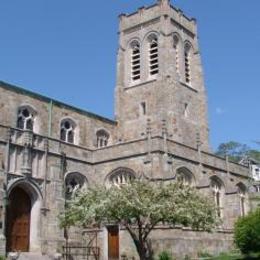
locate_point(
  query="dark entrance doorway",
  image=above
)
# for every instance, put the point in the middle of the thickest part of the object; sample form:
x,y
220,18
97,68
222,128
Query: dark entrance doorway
x,y
113,242
18,221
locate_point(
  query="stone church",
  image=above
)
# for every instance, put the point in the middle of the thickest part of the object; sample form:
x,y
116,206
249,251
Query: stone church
x,y
49,149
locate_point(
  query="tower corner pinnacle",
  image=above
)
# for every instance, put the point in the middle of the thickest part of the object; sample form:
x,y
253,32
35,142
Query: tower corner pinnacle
x,y
163,2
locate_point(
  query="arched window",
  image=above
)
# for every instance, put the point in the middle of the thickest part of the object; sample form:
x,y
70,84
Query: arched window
x,y
135,61
176,47
185,176
67,131
241,191
102,138
217,190
25,118
121,176
73,182
187,63
257,188
153,55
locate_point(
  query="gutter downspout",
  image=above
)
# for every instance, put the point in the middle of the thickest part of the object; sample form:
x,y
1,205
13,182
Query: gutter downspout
x,y
50,107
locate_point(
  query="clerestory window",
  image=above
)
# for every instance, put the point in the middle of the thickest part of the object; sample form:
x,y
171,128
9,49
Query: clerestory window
x,y
67,131
25,119
102,138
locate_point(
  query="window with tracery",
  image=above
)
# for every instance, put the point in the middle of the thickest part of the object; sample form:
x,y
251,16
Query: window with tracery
x,y
257,188
135,61
153,55
67,131
25,119
176,43
185,177
217,191
187,63
121,177
74,182
102,138
242,199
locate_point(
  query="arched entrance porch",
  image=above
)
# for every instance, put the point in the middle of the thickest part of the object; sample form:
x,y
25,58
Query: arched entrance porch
x,y
23,230
18,221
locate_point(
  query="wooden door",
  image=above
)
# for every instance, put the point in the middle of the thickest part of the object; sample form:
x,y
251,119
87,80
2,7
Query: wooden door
x,y
18,221
113,243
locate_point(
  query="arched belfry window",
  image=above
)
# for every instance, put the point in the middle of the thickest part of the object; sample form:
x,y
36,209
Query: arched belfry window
x,y
74,181
153,54
187,62
67,131
25,118
102,138
241,191
217,189
176,47
185,176
121,176
135,61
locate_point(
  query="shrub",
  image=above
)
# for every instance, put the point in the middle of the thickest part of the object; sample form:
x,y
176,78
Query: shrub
x,y
165,255
204,254
247,233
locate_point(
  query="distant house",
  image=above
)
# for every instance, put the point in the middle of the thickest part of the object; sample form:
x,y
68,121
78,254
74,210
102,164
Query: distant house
x,y
254,167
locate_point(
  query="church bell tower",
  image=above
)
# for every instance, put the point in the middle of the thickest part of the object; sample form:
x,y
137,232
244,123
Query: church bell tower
x,y
159,76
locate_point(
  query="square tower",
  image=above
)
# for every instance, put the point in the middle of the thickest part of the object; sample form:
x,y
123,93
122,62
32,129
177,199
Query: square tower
x,y
159,76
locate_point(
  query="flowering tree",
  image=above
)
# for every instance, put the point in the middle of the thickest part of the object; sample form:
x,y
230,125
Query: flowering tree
x,y
139,207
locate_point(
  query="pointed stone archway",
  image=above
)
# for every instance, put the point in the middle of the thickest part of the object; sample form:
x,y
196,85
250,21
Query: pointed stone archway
x,y
23,229
18,221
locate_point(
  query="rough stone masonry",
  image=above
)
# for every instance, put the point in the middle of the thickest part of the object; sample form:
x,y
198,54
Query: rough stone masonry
x,y
49,149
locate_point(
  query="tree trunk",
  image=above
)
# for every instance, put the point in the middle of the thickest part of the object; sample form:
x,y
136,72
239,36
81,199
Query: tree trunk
x,y
142,245
143,250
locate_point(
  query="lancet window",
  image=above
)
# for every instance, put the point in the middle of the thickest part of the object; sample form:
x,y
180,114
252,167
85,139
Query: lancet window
x,y
102,138
67,131
135,61
217,190
153,55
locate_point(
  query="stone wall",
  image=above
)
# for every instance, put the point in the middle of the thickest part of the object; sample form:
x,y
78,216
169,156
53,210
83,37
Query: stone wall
x,y
157,144
180,242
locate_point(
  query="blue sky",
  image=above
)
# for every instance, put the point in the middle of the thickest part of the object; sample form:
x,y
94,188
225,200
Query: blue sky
x,y
66,49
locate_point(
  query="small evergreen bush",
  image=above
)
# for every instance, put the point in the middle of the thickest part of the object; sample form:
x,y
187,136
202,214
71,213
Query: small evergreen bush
x,y
247,233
